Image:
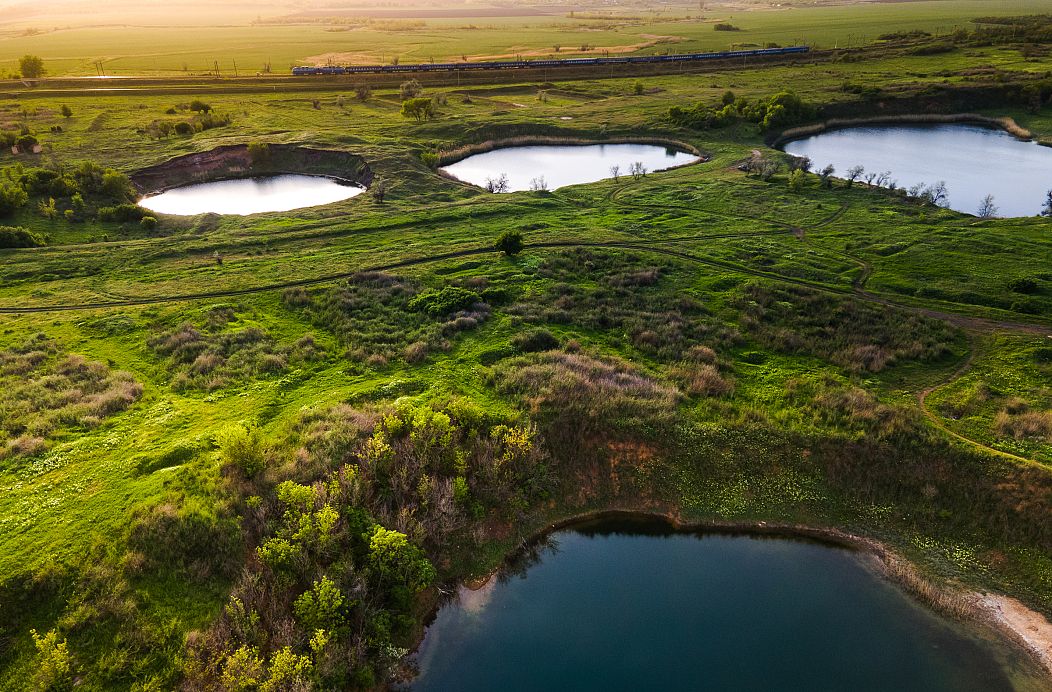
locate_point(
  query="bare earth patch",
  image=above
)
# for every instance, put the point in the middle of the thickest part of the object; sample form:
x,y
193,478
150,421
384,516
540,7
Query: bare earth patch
x,y
1029,627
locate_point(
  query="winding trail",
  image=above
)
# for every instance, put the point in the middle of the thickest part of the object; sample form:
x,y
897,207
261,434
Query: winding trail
x,y
972,324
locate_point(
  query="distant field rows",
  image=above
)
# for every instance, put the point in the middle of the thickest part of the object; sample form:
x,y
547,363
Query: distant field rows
x,y
127,50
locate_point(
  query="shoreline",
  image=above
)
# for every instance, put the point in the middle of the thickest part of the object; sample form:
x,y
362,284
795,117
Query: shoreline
x,y
1015,624
1005,124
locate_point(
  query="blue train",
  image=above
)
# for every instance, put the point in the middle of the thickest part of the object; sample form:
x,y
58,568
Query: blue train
x,y
570,62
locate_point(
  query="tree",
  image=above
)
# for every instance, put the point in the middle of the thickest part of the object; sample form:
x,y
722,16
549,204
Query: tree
x,y
421,108
853,174
538,184
394,558
53,669
796,180
498,184
1046,208
66,111
410,90
638,88
800,163
615,172
987,208
320,608
510,243
31,67
12,198
637,170
199,106
826,175
363,92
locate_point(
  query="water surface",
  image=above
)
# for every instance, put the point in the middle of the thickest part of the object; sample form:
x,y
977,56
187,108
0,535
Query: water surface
x,y
562,165
251,195
631,605
973,161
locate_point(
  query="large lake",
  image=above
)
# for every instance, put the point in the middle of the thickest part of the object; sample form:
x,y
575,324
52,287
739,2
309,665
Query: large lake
x,y
251,195
631,605
562,165
973,161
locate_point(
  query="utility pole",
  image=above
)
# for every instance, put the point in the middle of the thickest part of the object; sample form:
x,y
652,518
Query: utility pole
x,y
235,69
216,63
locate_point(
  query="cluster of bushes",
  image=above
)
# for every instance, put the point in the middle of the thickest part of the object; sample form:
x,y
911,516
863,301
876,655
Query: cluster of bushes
x,y
858,336
347,534
44,391
16,236
203,118
78,192
581,401
380,316
784,109
620,293
212,355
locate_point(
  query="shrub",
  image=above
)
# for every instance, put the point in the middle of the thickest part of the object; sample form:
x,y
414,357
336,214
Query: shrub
x,y
410,89
184,128
421,108
148,223
444,301
510,243
12,198
199,106
1023,285
722,26
259,152
16,236
242,447
535,340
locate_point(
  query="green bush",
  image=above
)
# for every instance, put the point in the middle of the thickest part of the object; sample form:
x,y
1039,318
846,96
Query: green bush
x,y
243,448
444,301
12,198
510,243
16,236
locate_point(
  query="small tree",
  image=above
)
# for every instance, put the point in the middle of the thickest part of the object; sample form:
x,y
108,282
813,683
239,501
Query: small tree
x,y
54,667
987,208
800,163
538,184
510,243
259,152
410,90
853,174
379,189
421,108
1046,208
638,88
615,172
637,170
199,106
31,66
66,111
826,175
796,180
498,184
362,92
12,198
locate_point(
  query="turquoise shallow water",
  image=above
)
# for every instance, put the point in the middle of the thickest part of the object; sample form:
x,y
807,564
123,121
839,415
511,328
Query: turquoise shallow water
x,y
973,162
631,605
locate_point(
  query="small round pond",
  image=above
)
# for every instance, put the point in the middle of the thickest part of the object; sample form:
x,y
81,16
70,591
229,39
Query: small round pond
x,y
562,165
245,196
630,604
973,161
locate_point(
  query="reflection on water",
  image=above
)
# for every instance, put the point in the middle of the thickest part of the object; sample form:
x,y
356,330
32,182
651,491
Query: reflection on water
x,y
251,195
629,605
974,162
563,165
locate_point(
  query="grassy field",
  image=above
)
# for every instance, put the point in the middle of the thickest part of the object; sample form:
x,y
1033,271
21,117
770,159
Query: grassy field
x,y
698,341
132,47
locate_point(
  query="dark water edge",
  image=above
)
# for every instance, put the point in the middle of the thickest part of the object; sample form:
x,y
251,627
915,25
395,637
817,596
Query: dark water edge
x,y
631,603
